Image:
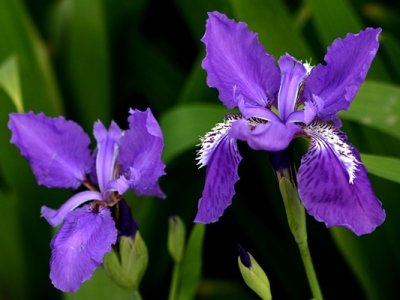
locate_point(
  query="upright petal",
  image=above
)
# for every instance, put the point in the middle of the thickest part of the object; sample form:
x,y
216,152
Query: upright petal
x,y
347,64
79,246
271,136
107,150
333,182
236,60
57,150
221,155
140,149
293,73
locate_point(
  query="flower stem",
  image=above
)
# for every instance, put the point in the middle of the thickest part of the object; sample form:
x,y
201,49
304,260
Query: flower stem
x,y
135,296
309,267
174,289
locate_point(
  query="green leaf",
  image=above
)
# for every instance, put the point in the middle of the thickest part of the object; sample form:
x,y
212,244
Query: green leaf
x,y
10,81
85,62
274,24
183,125
192,263
382,166
325,15
376,105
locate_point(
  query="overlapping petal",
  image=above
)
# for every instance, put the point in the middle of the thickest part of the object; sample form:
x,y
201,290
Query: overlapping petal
x,y
333,183
221,175
236,63
107,151
272,136
347,63
55,217
140,149
292,75
57,150
79,246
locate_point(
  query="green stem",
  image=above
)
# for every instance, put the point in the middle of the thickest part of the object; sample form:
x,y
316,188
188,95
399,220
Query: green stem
x,y
309,267
175,282
135,296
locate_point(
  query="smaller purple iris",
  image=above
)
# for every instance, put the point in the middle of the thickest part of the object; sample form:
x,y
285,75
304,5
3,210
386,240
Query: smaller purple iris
x,y
332,181
59,155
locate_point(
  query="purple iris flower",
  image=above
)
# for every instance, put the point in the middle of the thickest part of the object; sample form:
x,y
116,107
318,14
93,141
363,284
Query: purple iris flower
x,y
59,156
332,181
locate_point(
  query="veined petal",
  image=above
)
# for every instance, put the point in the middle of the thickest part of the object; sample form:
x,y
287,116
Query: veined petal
x,y
293,73
107,151
236,60
55,217
248,110
79,246
57,150
140,149
333,182
347,64
271,136
221,155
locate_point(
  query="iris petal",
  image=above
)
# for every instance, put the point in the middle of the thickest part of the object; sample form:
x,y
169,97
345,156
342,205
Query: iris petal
x,y
55,217
272,136
79,246
57,149
333,183
236,60
222,172
107,149
140,149
347,64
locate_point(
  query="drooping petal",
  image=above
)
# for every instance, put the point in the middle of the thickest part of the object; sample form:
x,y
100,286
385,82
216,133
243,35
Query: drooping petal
x,y
55,217
79,246
236,60
221,155
333,183
107,150
347,64
293,73
272,136
57,150
140,149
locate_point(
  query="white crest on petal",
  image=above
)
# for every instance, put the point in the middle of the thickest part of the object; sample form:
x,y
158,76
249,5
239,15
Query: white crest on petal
x,y
325,135
212,138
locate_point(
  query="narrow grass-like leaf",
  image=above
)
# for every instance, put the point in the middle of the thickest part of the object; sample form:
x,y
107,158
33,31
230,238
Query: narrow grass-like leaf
x,y
10,81
183,125
192,263
275,26
326,15
382,166
376,105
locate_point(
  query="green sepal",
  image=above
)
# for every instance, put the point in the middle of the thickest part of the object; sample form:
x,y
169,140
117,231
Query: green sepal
x,y
255,278
127,267
176,238
294,210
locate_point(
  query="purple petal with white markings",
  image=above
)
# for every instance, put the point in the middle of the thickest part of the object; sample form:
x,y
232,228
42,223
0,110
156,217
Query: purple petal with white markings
x,y
333,183
236,63
222,173
347,64
57,150
140,149
79,246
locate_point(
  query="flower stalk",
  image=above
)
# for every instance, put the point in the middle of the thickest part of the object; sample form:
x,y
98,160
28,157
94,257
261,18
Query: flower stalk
x,y
295,213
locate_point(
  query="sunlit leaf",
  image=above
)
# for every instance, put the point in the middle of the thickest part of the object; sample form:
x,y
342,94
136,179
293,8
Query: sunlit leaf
x,y
10,81
385,167
376,105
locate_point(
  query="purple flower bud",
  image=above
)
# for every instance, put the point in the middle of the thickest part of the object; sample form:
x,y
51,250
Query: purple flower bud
x,y
127,225
244,257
